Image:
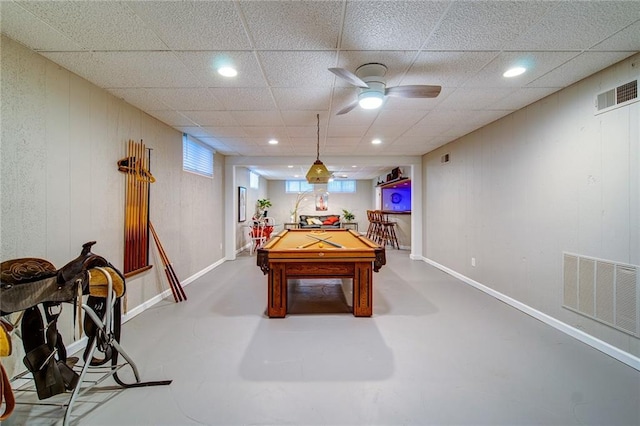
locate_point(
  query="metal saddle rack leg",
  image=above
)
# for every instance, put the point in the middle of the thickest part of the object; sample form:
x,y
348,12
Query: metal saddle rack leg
x,y
105,331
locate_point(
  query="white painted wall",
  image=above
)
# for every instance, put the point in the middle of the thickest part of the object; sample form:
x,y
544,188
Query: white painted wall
x,y
60,141
549,178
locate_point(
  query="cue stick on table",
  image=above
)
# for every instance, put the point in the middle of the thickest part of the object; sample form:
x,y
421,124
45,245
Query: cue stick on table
x,y
325,241
311,243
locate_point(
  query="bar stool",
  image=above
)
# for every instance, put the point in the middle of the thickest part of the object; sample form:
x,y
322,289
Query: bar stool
x,y
371,224
389,232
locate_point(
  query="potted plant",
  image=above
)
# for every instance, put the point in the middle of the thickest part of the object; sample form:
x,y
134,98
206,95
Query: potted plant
x,y
348,216
262,206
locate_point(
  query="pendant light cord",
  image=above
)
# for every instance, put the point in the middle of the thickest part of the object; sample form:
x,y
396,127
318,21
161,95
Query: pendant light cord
x,y
318,145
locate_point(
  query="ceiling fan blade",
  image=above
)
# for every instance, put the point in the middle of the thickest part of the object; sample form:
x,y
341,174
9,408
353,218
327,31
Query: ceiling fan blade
x,y
348,108
413,91
349,77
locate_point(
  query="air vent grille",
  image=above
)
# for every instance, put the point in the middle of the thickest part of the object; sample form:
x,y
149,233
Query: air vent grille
x,y
605,291
622,95
627,92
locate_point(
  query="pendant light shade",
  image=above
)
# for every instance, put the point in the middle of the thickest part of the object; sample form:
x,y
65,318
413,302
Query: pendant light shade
x,y
318,173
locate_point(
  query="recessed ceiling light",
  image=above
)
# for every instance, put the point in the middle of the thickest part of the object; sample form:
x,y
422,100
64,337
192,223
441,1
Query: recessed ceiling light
x,y
291,167
376,141
515,71
354,166
227,71
273,142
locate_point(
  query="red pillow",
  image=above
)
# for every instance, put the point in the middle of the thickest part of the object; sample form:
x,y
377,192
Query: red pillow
x,y
334,219
327,222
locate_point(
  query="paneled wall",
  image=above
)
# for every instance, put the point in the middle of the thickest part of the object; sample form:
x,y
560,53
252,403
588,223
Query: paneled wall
x,y
547,179
60,187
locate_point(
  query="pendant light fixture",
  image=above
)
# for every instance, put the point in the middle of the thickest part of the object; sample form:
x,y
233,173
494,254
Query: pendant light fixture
x,y
318,173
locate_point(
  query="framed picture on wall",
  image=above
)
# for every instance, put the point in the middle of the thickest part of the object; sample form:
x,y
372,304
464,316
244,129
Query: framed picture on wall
x,y
322,202
242,204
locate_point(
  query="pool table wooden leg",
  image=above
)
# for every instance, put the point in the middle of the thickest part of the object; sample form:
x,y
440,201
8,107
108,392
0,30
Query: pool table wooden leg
x,y
363,290
277,288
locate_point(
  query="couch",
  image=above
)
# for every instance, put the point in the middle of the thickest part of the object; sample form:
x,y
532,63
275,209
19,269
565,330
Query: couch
x,y
328,221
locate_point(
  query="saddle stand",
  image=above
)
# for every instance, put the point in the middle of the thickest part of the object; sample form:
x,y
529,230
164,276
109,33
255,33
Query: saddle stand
x,y
88,274
104,329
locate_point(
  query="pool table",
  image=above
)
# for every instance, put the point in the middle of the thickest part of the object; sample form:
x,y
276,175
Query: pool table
x,y
327,253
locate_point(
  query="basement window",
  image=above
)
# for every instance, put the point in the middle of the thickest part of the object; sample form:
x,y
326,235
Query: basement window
x,y
196,156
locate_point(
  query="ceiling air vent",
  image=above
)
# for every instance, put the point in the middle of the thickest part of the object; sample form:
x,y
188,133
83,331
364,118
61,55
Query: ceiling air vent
x,y
622,95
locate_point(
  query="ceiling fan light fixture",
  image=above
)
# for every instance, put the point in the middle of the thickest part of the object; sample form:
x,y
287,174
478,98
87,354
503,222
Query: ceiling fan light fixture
x,y
370,100
318,172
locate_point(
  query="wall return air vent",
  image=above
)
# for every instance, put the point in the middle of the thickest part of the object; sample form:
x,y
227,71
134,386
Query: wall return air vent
x,y
622,95
603,290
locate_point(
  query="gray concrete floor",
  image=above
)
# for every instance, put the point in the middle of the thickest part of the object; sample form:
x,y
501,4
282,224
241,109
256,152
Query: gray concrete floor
x,y
435,352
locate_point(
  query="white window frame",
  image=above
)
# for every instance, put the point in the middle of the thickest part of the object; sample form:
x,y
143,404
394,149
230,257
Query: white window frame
x,y
254,180
197,157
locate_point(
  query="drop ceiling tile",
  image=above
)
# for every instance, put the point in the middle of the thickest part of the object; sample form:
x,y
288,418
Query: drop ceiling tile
x,y
304,118
300,132
172,118
578,25
384,133
96,25
340,149
126,69
424,131
306,98
485,25
293,25
187,98
204,65
257,118
397,25
211,118
41,36
443,119
347,131
140,98
625,39
449,69
522,97
194,25
298,69
395,118
338,141
244,99
578,68
225,132
537,64
474,98
264,133
356,117
304,146
219,146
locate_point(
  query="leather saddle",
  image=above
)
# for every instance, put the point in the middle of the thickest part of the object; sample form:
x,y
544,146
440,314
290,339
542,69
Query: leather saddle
x,y
27,283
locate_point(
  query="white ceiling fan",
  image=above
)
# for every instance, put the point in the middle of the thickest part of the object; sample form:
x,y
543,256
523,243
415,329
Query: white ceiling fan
x,y
370,79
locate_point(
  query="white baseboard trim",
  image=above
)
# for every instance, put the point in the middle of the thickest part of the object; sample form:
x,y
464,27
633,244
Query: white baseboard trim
x,y
622,356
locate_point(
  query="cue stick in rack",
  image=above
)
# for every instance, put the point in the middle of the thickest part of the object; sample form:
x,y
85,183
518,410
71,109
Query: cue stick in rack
x,y
139,204
129,218
174,283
